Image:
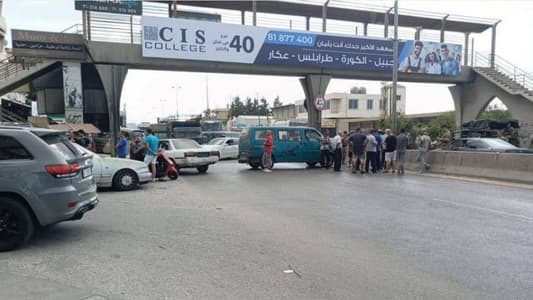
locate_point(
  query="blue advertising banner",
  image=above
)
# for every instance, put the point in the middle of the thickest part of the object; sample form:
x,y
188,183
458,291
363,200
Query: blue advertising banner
x,y
196,40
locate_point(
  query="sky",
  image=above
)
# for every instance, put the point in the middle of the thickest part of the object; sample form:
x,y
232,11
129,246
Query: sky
x,y
148,94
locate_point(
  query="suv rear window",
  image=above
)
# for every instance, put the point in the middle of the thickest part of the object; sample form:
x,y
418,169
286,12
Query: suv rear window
x,y
11,149
62,145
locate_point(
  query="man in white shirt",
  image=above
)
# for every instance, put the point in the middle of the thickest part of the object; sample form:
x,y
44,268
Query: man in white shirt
x,y
337,148
371,154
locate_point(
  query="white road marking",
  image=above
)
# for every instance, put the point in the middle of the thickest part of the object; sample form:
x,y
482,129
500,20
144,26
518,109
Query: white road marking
x,y
489,210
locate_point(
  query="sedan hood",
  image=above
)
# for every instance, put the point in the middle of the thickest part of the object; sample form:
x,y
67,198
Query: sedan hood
x,y
120,163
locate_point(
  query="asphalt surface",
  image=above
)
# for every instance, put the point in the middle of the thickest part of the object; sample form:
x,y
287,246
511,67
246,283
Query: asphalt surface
x,y
295,233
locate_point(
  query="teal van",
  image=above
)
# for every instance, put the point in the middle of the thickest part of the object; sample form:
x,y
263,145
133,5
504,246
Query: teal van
x,y
291,144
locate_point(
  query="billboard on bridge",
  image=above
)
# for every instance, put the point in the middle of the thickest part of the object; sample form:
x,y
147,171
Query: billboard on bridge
x,y
207,41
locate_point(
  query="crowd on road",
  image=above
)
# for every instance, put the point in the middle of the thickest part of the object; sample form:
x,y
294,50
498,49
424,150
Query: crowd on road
x,y
373,151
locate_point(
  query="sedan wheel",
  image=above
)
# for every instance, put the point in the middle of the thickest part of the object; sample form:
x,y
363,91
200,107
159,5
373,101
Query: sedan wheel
x,y
202,169
125,180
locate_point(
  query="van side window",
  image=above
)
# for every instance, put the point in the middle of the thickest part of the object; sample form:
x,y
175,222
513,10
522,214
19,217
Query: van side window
x,y
260,135
312,135
291,135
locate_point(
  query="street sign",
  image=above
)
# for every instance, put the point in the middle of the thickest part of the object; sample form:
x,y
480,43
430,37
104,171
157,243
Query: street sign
x,y
320,103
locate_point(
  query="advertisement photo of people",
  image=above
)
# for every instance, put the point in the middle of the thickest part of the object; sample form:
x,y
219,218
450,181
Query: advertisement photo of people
x,y
431,58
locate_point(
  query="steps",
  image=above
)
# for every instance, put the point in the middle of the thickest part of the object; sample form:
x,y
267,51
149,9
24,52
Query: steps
x,y
506,82
15,72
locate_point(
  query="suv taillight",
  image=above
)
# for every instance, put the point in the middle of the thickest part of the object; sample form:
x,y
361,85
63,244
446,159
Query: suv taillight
x,y
64,170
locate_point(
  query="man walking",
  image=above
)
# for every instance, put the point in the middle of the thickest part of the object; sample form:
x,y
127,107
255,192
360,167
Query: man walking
x,y
358,142
152,144
337,148
268,145
345,146
423,142
401,148
371,154
390,147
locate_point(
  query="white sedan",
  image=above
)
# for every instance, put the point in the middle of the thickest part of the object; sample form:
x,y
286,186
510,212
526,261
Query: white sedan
x,y
187,153
118,173
227,146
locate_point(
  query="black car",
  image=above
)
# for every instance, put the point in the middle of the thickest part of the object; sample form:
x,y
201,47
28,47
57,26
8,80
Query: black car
x,y
487,145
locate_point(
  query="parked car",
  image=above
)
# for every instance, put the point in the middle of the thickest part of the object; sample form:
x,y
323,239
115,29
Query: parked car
x,y
291,144
227,147
43,180
118,173
487,145
187,153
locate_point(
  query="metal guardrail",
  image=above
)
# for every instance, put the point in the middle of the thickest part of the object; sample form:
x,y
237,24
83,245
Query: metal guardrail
x,y
12,65
506,68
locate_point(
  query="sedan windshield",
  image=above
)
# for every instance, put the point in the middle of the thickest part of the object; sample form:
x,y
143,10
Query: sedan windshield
x,y
218,141
497,143
185,144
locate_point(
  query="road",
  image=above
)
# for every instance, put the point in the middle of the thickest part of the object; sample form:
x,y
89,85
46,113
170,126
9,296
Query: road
x,y
295,233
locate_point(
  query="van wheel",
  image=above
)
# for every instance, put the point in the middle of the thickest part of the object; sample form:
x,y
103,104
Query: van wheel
x,y
16,224
125,180
255,166
311,164
203,169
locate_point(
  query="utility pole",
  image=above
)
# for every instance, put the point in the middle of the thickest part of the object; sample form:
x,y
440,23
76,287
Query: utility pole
x,y
395,70
207,93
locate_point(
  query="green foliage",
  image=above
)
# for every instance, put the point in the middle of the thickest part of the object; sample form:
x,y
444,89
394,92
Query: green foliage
x,y
277,102
434,127
250,107
495,114
413,128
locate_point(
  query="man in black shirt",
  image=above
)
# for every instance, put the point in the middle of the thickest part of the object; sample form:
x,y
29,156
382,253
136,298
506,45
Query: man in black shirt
x,y
358,142
390,147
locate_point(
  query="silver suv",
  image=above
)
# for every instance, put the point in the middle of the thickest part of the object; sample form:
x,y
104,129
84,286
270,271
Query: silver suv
x,y
43,180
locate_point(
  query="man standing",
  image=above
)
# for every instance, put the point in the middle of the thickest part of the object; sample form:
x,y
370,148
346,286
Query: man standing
x,y
152,144
445,138
268,145
379,149
390,147
122,146
371,154
137,149
358,142
345,146
401,148
324,151
423,141
413,63
337,148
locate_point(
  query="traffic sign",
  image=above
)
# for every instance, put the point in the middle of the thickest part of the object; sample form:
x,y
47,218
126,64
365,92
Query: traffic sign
x,y
320,103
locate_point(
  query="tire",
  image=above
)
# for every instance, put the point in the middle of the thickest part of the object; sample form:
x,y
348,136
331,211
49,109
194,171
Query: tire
x,y
173,176
311,164
125,180
255,166
16,224
202,169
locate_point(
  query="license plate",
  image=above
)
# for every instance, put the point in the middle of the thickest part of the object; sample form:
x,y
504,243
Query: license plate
x,y
203,154
87,172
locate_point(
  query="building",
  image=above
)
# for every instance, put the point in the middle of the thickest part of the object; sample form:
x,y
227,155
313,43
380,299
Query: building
x,y
347,111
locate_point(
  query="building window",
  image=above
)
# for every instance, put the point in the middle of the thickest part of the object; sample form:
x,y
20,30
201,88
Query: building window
x,y
369,104
328,105
398,97
301,109
353,104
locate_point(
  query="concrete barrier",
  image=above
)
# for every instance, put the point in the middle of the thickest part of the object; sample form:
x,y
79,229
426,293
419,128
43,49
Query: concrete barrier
x,y
498,166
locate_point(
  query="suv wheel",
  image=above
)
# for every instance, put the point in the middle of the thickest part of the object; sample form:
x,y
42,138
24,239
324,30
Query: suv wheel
x,y
125,180
16,224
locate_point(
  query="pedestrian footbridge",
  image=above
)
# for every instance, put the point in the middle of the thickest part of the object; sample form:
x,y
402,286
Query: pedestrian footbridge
x,y
106,45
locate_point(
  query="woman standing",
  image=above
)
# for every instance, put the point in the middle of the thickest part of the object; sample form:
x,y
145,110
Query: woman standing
x,y
432,66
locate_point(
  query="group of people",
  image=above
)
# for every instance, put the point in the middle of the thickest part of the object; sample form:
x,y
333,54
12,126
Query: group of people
x,y
439,62
373,151
139,149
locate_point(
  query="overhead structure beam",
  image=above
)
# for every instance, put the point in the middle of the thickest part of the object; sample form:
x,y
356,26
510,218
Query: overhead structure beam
x,y
386,23
493,45
443,28
325,15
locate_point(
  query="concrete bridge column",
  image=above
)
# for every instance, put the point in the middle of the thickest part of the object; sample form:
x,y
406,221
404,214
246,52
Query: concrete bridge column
x,y
112,77
314,86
